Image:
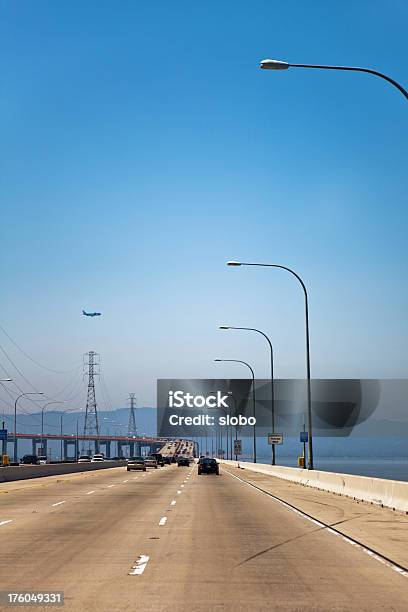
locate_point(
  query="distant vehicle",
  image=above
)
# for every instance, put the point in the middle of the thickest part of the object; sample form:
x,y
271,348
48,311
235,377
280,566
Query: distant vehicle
x,y
97,457
167,459
151,462
84,459
29,460
206,465
159,458
91,314
43,459
136,463
183,461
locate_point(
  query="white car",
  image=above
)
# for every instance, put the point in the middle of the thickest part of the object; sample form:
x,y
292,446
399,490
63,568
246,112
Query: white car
x,y
42,460
98,457
151,462
84,459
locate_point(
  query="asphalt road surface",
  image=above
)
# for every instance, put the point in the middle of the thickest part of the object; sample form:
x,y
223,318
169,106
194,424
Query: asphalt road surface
x,y
171,540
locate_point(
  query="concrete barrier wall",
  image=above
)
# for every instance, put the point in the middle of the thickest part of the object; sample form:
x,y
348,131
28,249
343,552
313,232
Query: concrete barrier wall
x,y
389,493
23,472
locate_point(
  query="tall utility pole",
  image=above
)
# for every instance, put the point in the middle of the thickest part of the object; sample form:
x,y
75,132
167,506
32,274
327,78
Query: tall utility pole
x,y
91,427
132,429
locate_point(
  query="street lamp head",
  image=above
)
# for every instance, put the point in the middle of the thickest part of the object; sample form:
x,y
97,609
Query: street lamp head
x,y
217,359
40,392
234,263
6,380
223,327
270,64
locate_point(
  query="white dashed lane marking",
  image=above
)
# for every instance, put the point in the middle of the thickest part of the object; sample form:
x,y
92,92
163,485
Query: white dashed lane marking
x,y
140,565
59,503
5,522
163,521
90,492
109,486
178,492
173,503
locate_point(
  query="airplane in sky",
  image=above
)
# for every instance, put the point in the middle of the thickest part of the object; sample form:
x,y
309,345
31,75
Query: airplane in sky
x,y
91,314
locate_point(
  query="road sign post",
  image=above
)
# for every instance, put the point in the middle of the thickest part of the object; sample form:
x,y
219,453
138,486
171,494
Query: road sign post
x,y
275,438
3,438
237,448
304,437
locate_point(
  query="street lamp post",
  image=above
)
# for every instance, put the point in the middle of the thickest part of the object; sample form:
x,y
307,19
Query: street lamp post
x,y
253,396
309,392
231,395
270,64
15,418
77,442
272,379
4,445
62,414
42,421
229,426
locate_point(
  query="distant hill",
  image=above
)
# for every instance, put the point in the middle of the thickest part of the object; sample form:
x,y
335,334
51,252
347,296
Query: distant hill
x,y
373,438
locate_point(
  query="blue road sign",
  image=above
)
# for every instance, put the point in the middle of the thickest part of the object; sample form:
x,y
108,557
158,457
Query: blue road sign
x,y
3,434
304,436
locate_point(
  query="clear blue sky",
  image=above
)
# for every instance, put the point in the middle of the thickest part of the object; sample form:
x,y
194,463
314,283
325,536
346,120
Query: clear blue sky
x,y
141,148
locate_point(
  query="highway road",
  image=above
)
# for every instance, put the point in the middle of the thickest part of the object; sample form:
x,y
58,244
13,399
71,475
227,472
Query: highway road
x,y
170,540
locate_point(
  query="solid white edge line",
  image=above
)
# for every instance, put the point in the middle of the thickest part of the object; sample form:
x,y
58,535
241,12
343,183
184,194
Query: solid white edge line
x,y
325,528
59,503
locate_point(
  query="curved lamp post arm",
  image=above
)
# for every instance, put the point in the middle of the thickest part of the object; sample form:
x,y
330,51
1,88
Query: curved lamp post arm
x,y
357,69
264,265
279,65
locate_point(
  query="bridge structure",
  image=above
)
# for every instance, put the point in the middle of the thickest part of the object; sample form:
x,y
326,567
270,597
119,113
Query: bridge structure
x,y
70,444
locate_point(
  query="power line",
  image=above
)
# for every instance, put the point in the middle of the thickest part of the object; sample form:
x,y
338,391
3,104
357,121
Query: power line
x,y
26,379
34,360
105,390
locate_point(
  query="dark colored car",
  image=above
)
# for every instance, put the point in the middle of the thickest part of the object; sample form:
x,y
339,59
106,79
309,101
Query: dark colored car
x,y
167,460
183,461
159,458
30,460
207,465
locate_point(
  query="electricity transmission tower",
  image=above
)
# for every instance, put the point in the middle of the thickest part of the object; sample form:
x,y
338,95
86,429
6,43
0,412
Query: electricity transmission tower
x,y
132,429
91,427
